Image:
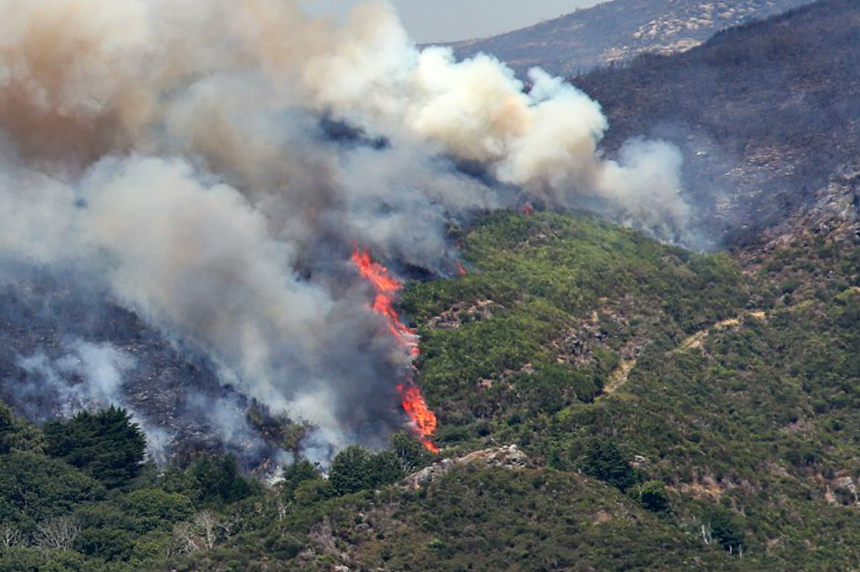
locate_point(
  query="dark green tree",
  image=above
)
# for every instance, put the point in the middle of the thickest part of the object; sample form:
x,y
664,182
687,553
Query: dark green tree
x,y
16,434
350,471
35,488
725,528
385,468
107,445
155,508
295,475
111,544
219,480
605,461
32,560
653,496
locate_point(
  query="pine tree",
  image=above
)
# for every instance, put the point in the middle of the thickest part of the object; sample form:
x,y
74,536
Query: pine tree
x,y
107,445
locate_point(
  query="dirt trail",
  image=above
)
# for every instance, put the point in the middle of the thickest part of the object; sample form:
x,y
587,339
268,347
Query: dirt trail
x,y
619,377
698,339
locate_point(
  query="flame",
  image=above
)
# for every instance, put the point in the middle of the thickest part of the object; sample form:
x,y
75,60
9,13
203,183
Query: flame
x,y
527,209
416,408
386,286
461,270
375,273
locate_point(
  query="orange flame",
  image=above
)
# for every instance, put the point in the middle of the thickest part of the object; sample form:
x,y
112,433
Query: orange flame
x,y
386,286
461,270
416,408
375,273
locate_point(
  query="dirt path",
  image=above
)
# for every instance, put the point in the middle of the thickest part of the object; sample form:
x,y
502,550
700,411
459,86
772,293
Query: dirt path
x,y
619,377
698,339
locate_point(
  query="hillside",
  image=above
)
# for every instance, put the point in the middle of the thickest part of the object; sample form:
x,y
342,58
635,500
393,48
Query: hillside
x,y
618,31
764,114
544,390
673,411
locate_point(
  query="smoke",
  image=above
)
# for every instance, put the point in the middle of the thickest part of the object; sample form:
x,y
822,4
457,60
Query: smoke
x,y
86,376
175,151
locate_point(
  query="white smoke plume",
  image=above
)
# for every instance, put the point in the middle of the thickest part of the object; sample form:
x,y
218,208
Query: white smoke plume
x,y
176,149
86,376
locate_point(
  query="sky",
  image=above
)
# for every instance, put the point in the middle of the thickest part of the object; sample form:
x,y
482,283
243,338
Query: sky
x,y
449,20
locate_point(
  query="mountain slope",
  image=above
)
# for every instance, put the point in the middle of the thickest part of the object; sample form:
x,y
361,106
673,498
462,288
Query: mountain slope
x,y
672,411
764,114
618,30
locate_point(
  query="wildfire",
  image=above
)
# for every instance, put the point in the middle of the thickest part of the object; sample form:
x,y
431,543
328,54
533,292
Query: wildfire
x,y
416,408
387,286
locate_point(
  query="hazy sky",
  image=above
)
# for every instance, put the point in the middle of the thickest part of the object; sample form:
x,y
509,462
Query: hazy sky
x,y
445,20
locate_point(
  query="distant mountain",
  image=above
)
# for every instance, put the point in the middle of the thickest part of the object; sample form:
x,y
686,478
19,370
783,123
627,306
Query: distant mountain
x,y
619,30
765,114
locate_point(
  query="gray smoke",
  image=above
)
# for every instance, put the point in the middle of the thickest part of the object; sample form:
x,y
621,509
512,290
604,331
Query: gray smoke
x,y
172,150
86,376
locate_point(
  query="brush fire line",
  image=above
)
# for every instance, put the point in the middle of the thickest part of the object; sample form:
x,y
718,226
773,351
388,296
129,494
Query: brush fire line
x,y
386,286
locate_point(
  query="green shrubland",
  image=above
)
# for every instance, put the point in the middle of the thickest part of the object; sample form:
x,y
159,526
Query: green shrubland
x,y
680,411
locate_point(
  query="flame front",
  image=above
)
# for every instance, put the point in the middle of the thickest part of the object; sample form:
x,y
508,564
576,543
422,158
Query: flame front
x,y
416,408
386,286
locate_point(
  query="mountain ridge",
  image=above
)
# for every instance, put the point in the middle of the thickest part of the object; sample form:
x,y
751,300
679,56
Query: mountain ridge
x,y
617,31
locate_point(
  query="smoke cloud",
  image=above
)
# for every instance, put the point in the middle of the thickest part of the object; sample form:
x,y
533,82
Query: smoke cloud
x,y
86,376
176,152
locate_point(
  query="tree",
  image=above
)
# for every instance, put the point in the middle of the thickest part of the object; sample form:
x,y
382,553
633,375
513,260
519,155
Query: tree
x,y
200,534
295,475
10,536
350,471
385,468
355,469
411,454
219,480
605,461
155,508
653,496
35,488
111,544
16,434
725,528
57,534
106,444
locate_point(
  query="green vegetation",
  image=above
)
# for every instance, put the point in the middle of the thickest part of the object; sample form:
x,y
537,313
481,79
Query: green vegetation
x,y
677,414
521,335
106,445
